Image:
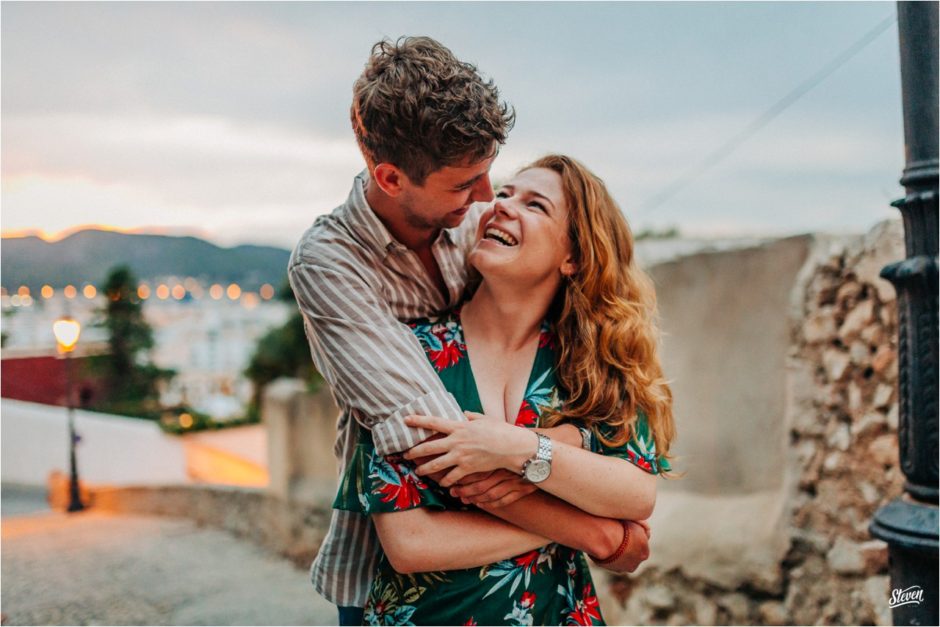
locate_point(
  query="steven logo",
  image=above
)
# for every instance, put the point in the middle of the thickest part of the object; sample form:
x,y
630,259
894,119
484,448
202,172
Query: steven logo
x,y
914,594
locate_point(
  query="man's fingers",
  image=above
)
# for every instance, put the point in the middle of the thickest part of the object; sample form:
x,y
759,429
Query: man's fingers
x,y
432,423
471,489
452,477
473,415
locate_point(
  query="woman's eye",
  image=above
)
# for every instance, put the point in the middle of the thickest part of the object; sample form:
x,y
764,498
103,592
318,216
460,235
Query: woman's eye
x,y
538,206
502,194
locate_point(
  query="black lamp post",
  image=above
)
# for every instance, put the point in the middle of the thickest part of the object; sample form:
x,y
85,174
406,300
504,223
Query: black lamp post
x,y
909,524
67,330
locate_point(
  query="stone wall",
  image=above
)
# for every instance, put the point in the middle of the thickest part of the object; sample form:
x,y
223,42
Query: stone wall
x,y
839,421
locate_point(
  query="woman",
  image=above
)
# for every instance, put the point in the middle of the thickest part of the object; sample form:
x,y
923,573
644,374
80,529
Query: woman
x,y
559,329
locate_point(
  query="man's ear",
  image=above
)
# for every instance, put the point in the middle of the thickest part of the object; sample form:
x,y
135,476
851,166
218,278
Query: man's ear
x,y
389,178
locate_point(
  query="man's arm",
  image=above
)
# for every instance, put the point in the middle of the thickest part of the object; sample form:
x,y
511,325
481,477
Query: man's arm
x,y
374,365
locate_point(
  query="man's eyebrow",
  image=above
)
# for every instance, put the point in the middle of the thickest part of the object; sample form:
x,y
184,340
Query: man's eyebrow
x,y
470,182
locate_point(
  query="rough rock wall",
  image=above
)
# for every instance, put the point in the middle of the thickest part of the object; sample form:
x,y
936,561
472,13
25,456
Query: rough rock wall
x,y
843,429
842,460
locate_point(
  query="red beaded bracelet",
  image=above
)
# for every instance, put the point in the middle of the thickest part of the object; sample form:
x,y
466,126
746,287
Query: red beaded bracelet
x,y
620,550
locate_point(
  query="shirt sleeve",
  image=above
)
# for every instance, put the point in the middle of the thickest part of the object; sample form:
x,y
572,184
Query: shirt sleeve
x,y
640,450
375,366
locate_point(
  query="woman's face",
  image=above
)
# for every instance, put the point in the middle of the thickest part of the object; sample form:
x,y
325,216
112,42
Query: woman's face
x,y
523,237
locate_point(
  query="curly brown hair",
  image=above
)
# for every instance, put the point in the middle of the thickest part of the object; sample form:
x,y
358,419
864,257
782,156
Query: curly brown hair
x,y
420,108
605,319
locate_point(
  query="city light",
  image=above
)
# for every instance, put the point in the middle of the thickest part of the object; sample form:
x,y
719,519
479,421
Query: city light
x,y
179,292
186,421
163,292
234,291
70,291
89,291
143,291
23,291
267,291
250,300
66,331
47,291
26,301
16,300
216,291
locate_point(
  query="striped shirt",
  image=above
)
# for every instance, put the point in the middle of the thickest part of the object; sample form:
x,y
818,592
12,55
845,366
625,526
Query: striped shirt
x,y
354,284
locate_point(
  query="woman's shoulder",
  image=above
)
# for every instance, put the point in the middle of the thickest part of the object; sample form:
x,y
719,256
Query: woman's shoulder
x,y
640,449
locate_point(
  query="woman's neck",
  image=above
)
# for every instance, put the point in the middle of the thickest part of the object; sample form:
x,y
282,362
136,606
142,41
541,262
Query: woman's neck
x,y
507,316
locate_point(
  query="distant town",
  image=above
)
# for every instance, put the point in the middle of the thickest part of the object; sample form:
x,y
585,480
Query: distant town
x,y
205,332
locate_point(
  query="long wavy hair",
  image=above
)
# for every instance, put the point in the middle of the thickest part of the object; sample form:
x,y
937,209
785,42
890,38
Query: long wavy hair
x,y
605,319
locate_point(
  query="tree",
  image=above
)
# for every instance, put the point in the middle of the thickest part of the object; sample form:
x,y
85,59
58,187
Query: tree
x,y
131,379
282,352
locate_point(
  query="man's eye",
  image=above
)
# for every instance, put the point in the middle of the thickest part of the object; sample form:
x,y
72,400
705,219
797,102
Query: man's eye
x,y
502,194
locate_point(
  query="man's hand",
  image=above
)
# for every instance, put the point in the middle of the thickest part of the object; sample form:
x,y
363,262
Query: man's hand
x,y
498,488
637,551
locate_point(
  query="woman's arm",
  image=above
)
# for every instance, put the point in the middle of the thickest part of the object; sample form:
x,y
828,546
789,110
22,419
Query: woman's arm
x,y
421,540
601,485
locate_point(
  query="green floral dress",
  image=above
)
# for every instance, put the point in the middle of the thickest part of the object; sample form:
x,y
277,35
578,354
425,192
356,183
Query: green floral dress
x,y
548,586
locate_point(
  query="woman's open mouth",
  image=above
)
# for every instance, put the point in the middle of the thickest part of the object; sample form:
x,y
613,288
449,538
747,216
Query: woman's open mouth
x,y
499,236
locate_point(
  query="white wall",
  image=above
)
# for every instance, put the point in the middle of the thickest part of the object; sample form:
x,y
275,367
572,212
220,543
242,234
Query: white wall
x,y
113,450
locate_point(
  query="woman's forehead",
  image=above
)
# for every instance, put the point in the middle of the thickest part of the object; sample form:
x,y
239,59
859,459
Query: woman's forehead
x,y
542,180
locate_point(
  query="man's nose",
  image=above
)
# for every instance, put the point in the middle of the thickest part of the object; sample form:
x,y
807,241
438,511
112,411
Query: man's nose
x,y
482,190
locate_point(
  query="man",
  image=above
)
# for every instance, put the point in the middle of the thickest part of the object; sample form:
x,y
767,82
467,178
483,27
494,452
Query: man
x,y
429,128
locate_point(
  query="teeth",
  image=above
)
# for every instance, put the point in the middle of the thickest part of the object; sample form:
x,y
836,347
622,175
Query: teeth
x,y
501,236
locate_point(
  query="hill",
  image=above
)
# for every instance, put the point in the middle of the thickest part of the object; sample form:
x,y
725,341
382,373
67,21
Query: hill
x,y
87,256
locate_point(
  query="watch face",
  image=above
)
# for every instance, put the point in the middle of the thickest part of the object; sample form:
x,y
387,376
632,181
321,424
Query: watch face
x,y
538,470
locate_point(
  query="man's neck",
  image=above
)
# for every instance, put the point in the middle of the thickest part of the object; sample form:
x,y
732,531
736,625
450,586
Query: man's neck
x,y
391,216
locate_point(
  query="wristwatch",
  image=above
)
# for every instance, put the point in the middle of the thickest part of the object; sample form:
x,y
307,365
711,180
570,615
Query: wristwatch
x,y
537,469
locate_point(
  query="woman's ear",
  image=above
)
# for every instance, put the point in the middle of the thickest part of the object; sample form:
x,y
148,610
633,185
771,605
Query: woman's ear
x,y
389,178
568,268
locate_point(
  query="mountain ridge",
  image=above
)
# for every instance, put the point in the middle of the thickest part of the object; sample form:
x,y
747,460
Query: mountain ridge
x,y
88,255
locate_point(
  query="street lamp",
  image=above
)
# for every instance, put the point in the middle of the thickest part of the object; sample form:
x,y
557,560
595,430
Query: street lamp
x,y
67,330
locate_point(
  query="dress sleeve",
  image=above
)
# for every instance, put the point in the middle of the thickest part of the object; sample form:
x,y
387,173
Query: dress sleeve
x,y
378,484
641,450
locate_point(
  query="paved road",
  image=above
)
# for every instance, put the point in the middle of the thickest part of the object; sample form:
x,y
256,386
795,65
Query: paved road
x,y
95,568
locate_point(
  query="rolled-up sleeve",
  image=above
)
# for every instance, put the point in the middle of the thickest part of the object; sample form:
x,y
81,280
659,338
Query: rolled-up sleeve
x,y
375,366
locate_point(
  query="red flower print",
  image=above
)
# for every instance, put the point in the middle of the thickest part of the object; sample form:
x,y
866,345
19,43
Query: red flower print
x,y
547,338
528,560
642,462
586,610
446,357
405,493
527,416
528,599
470,621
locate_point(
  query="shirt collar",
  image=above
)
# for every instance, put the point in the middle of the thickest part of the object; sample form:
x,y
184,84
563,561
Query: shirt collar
x,y
370,228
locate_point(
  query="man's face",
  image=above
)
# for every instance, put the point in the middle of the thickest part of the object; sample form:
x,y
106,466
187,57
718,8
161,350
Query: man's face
x,y
446,195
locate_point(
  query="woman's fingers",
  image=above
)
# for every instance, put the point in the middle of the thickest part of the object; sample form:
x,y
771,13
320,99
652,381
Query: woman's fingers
x,y
473,415
436,465
432,423
427,448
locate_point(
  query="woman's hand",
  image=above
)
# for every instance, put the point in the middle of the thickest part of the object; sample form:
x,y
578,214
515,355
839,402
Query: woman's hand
x,y
480,445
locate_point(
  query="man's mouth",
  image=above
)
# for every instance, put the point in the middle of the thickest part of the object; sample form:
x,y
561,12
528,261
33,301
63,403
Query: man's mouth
x,y
499,236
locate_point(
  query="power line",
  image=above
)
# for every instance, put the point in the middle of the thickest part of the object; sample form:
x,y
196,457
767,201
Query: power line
x,y
775,110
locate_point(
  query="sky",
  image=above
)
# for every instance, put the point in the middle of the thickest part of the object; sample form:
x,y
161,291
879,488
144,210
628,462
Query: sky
x,y
230,121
